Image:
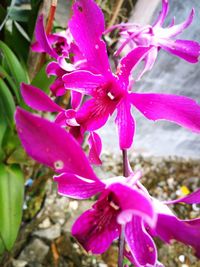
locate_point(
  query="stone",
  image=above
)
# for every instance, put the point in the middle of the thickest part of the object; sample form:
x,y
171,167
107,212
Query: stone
x,y
19,263
35,251
45,224
50,233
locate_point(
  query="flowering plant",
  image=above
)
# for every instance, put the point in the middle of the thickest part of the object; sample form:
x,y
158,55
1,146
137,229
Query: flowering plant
x,y
124,208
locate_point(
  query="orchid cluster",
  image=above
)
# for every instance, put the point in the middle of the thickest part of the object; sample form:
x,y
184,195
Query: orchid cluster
x,y
124,208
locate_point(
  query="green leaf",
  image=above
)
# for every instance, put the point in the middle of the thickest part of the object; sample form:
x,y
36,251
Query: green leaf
x,y
7,104
2,248
11,202
16,69
12,2
18,156
13,86
19,14
42,81
18,36
2,13
3,126
10,142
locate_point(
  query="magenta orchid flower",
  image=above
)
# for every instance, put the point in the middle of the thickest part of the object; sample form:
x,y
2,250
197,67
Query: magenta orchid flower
x,y
52,145
119,204
118,201
122,201
59,46
96,228
54,44
159,37
38,100
111,92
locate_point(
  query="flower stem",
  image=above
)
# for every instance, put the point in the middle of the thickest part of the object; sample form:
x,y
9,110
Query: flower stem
x,y
126,166
121,247
126,172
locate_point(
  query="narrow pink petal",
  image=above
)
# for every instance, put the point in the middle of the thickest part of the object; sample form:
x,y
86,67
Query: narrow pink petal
x,y
76,99
57,87
61,118
36,47
42,38
52,38
179,109
95,144
70,116
140,243
77,187
163,14
193,198
170,228
172,23
51,145
130,257
77,133
94,113
37,99
129,62
65,65
125,124
77,55
150,59
53,68
185,49
87,26
83,81
92,235
132,202
178,29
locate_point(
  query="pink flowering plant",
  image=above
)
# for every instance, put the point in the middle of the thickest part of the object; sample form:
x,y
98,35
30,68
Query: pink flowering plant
x,y
124,209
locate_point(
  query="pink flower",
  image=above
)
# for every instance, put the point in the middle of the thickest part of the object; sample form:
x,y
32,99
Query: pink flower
x,y
38,100
159,37
122,201
109,91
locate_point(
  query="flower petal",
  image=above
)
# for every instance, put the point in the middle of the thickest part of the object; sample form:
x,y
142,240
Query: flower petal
x,y
95,144
150,59
87,27
92,236
37,99
125,124
132,202
53,68
77,187
61,118
193,198
185,49
42,39
178,29
179,109
129,62
188,230
76,99
83,81
57,87
94,113
163,14
51,145
140,243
